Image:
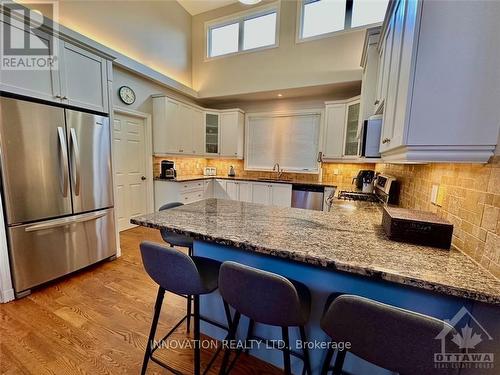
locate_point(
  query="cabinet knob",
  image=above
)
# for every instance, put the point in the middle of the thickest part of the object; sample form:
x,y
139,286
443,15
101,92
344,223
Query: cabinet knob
x,y
57,96
181,150
64,98
386,140
377,101
143,178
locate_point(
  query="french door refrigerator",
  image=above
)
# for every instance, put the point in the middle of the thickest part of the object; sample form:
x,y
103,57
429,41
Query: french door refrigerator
x,y
57,190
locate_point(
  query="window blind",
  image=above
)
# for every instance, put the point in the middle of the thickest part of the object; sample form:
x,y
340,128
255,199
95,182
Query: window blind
x,y
290,140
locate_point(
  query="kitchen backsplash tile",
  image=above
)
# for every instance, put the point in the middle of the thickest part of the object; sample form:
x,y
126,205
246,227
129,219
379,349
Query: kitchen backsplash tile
x,y
338,174
471,194
471,202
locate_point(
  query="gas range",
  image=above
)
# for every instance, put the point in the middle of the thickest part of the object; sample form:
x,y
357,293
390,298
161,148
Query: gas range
x,y
358,196
386,191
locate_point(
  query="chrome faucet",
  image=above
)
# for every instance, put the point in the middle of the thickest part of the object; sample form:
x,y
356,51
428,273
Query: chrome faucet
x,y
276,168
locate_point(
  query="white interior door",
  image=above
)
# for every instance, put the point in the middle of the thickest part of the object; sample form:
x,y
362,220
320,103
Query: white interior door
x,y
130,168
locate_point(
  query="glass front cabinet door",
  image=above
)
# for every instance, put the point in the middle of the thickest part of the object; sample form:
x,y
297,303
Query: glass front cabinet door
x,y
212,134
351,129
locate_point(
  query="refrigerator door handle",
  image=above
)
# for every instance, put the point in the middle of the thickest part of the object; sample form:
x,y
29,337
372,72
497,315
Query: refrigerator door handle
x,y
76,158
65,221
64,161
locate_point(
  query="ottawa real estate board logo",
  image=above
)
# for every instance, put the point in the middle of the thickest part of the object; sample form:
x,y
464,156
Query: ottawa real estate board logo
x,y
462,343
27,40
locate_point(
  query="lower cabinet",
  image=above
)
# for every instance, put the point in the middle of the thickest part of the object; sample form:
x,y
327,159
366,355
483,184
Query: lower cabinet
x,y
272,194
244,191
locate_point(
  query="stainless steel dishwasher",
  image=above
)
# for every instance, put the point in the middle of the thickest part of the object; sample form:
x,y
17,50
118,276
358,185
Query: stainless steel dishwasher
x,y
308,196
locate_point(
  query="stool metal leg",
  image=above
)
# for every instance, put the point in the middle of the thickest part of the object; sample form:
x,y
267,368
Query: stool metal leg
x,y
154,324
307,361
286,351
188,314
251,324
339,362
326,363
197,345
231,336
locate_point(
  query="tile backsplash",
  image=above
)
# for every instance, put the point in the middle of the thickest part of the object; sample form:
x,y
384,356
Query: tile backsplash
x,y
471,201
339,174
471,194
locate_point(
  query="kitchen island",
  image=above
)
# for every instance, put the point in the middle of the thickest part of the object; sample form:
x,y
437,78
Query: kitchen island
x,y
344,250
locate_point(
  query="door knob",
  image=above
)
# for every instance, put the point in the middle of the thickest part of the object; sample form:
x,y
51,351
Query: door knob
x,y
143,178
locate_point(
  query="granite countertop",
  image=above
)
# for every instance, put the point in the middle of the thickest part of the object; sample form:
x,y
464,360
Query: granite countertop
x,y
350,238
238,178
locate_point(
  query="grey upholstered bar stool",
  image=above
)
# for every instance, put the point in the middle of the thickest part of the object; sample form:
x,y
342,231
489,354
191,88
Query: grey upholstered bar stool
x,y
266,298
396,339
180,240
180,274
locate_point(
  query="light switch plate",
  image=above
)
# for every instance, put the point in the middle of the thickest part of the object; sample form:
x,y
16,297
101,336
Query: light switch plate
x,y
434,194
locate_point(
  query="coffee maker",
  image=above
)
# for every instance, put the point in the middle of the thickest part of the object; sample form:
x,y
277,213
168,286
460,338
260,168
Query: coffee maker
x,y
168,171
364,175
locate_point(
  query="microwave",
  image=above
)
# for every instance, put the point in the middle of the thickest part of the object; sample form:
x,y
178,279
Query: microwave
x,y
370,137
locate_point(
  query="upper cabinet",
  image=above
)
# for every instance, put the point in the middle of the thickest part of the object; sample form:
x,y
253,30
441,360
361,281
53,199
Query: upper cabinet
x,y
438,82
83,78
340,139
185,129
232,124
80,79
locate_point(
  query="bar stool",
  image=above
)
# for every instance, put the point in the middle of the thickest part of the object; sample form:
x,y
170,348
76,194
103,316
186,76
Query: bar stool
x,y
390,337
266,298
180,274
180,240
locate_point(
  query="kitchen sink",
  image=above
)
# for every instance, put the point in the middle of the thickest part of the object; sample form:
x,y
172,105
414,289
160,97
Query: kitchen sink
x,y
274,179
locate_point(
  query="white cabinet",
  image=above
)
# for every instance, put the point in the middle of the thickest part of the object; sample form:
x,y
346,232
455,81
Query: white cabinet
x,y
436,106
231,134
232,190
334,131
178,128
272,194
80,79
370,64
340,140
281,195
220,189
239,191
83,78
260,193
184,192
185,129
212,133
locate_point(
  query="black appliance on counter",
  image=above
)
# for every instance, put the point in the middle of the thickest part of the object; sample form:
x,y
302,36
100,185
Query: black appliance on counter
x,y
364,175
419,227
168,171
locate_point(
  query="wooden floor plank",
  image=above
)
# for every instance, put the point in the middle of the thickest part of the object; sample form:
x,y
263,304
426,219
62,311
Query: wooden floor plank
x,y
96,322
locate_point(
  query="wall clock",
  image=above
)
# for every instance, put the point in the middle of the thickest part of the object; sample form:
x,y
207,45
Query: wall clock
x,y
126,94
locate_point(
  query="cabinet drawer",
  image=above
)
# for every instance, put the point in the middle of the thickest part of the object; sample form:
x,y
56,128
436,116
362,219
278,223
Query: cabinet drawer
x,y
191,196
191,185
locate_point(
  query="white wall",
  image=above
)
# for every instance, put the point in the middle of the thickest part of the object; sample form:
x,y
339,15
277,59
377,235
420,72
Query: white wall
x,y
155,33
328,60
143,89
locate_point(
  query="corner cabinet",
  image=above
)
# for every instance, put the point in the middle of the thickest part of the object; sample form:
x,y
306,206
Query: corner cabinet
x,y
80,81
186,129
340,135
437,104
232,124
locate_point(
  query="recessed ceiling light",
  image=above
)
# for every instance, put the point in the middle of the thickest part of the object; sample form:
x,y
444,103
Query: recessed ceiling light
x,y
249,2
280,95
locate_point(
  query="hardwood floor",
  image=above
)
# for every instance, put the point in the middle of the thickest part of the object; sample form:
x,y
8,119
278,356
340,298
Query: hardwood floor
x,y
96,322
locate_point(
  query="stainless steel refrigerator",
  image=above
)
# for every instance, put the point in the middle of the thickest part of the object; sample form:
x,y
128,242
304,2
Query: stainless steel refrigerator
x,y
57,190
